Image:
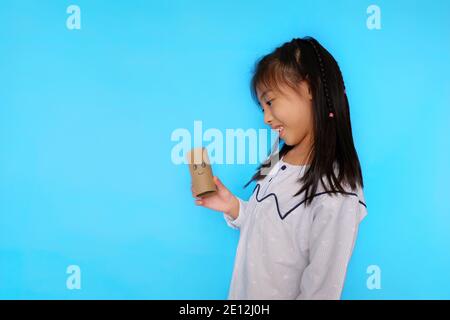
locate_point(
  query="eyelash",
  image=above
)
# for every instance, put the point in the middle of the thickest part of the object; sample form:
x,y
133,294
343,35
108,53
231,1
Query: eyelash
x,y
267,102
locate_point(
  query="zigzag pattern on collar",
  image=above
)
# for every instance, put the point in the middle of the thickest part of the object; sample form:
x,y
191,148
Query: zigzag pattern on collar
x,y
301,202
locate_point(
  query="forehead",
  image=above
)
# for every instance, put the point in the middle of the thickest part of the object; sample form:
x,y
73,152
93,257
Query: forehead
x,y
263,92
281,89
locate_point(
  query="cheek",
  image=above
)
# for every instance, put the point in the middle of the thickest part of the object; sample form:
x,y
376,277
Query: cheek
x,y
296,116
282,114
300,121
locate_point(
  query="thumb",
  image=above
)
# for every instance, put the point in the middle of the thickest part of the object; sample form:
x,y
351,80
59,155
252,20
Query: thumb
x,y
219,183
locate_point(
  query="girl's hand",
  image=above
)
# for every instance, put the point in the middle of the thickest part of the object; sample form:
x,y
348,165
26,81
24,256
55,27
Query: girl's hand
x,y
223,200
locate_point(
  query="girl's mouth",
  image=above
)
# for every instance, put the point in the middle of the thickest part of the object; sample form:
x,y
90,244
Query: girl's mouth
x,y
280,132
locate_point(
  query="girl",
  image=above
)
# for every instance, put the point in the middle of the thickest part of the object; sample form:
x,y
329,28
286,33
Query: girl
x,y
298,229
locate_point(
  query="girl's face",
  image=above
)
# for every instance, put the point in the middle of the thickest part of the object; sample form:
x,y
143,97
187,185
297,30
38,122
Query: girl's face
x,y
289,111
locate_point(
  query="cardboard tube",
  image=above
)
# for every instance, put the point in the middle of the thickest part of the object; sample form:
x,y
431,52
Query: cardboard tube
x,y
201,172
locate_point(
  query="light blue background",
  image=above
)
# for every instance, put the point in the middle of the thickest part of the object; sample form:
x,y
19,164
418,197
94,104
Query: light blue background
x,y
86,117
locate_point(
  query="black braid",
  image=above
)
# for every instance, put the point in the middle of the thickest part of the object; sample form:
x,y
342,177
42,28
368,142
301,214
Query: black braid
x,y
323,77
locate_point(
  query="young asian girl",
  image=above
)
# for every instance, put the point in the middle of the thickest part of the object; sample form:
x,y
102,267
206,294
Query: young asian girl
x,y
299,227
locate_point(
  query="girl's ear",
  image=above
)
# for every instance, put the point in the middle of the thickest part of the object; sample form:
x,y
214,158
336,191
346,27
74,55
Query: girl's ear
x,y
305,83
306,89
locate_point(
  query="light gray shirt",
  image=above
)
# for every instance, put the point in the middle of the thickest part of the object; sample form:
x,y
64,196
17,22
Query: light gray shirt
x,y
287,251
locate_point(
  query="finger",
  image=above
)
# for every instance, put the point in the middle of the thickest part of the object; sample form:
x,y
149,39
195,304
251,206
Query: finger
x,y
218,182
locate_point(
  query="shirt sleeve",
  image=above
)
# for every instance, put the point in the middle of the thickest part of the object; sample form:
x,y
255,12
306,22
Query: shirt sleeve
x,y
237,223
333,232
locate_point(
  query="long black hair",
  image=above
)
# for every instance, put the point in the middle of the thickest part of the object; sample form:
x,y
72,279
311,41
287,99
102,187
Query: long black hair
x,y
306,59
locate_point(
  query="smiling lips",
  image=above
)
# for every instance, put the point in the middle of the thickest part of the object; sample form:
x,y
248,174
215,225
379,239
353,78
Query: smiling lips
x,y
280,130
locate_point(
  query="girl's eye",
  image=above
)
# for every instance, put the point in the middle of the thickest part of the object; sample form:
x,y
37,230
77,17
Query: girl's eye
x,y
194,167
203,165
269,103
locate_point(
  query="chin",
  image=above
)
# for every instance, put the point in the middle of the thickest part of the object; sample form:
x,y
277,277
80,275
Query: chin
x,y
286,142
289,142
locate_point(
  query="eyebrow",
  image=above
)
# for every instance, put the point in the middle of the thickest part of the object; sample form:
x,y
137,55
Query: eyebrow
x,y
264,93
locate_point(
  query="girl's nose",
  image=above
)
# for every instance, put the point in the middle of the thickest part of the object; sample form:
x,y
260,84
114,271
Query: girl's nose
x,y
267,116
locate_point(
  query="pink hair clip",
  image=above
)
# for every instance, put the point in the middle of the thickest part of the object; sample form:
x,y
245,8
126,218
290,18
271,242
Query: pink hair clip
x,y
331,115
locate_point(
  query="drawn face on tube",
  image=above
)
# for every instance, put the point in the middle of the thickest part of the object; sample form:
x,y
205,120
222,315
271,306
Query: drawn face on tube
x,y
199,168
